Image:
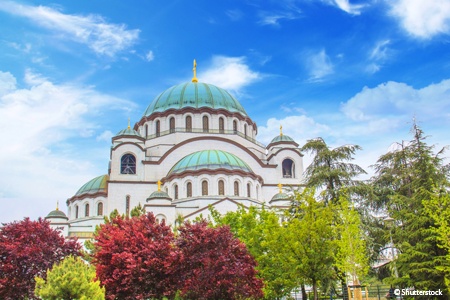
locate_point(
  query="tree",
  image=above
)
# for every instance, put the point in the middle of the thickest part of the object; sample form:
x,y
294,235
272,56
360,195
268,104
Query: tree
x,y
405,180
261,231
27,249
330,169
69,279
212,264
132,257
310,241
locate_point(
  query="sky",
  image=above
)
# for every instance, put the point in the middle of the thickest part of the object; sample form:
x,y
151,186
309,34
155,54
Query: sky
x,y
73,72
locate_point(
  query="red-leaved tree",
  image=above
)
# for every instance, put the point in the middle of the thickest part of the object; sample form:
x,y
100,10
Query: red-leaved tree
x,y
212,264
131,256
27,249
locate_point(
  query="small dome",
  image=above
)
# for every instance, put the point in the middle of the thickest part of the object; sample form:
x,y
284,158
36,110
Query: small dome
x,y
280,197
96,185
211,160
128,131
159,195
56,214
196,95
282,138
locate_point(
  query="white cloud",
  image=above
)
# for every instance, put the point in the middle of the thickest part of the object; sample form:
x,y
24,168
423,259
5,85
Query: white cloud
x,y
234,14
105,136
319,65
92,30
149,56
399,100
422,18
378,55
40,127
345,5
230,73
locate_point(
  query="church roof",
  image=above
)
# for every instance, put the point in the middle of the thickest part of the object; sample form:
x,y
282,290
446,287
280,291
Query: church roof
x,y
98,184
128,131
280,196
210,159
159,195
282,138
56,214
196,95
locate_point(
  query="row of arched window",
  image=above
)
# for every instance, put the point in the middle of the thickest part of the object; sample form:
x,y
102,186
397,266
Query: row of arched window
x,y
188,125
205,189
87,210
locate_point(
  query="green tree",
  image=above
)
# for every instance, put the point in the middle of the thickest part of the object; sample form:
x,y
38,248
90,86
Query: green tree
x,y
138,211
69,279
261,231
405,180
309,241
331,169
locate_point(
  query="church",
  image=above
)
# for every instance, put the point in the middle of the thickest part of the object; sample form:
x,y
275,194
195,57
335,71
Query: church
x,y
194,147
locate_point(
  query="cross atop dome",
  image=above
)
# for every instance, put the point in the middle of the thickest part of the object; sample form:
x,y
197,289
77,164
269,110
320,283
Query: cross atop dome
x,y
194,69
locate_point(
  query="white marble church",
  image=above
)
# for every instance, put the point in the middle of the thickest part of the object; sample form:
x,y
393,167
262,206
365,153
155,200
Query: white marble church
x,y
194,146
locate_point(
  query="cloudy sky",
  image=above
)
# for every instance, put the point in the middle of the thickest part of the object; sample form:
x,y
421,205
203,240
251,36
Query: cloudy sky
x,y
73,72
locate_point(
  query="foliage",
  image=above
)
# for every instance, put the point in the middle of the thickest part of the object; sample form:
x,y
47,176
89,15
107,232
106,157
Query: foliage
x,y
405,180
331,170
212,264
131,257
137,211
27,249
260,230
310,240
70,279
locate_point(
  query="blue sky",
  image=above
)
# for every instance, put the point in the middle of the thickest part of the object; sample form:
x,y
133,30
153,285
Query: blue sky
x,y
73,72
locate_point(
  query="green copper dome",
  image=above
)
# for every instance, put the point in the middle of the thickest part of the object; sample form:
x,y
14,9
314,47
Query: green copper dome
x,y
56,214
98,184
128,131
282,138
210,159
159,195
280,196
196,95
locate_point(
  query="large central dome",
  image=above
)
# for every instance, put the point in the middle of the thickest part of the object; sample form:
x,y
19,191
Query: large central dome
x,y
196,95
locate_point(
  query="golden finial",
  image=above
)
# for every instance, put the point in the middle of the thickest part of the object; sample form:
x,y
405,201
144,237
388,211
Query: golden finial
x,y
128,123
280,188
281,130
57,205
194,79
159,185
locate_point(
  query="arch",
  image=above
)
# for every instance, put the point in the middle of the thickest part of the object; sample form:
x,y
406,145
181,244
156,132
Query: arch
x,y
205,121
245,130
288,168
204,188
188,124
249,190
236,188
100,209
221,125
160,218
76,211
86,210
172,125
127,205
146,130
221,188
235,129
128,164
175,191
157,128
189,189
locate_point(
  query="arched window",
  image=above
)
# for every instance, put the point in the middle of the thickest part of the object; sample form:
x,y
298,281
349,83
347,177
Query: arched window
x,y
188,189
128,164
204,188
249,194
188,124
146,130
172,125
127,205
86,210
235,127
236,188
76,211
288,168
205,124
100,209
175,191
160,218
221,187
245,130
158,128
221,125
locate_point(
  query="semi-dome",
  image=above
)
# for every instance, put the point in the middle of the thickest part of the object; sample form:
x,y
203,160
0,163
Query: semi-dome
x,y
128,132
280,197
211,160
196,95
282,138
93,186
159,195
56,214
